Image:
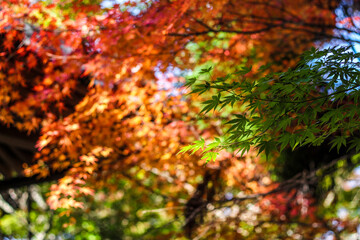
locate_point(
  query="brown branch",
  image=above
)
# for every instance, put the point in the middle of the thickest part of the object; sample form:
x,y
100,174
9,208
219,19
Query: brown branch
x,y
294,182
19,182
222,30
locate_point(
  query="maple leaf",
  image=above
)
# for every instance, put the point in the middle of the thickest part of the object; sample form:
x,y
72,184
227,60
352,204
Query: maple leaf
x,y
88,78
88,159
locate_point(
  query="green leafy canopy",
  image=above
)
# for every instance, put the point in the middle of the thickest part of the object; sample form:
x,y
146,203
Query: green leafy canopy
x,y
318,99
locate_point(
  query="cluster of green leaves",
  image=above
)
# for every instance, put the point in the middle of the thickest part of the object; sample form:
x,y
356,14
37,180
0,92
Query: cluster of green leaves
x,y
126,213
341,193
318,99
209,154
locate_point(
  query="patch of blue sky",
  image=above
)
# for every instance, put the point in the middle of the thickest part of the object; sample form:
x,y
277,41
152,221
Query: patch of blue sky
x,y
136,10
172,80
351,37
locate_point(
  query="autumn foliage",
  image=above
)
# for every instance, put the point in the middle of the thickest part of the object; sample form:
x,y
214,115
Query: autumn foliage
x,y
88,77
